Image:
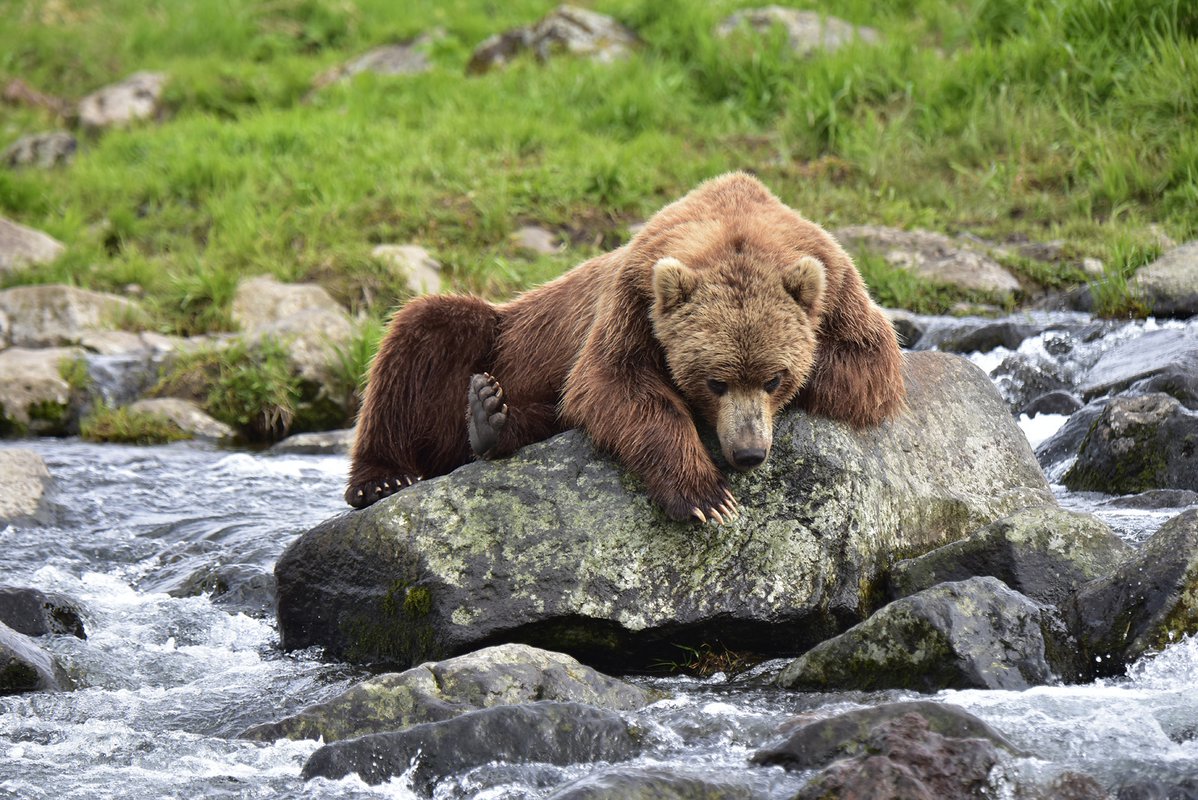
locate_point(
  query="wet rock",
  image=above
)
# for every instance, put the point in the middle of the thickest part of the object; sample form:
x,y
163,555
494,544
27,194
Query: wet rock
x,y
25,667
1177,382
1145,604
1159,788
414,263
1065,443
1143,357
660,783
905,757
1170,284
37,613
508,674
237,587
35,398
1155,499
933,256
536,240
137,97
404,58
545,732
186,416
1043,553
988,336
807,32
908,326
566,29
52,315
21,246
44,150
24,484
558,548
320,443
814,744
975,633
1058,401
1136,444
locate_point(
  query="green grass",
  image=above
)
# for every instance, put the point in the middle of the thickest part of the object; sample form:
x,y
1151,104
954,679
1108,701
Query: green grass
x,y
121,425
1040,118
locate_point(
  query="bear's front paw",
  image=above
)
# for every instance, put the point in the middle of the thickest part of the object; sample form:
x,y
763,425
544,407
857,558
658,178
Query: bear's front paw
x,y
716,506
365,493
486,414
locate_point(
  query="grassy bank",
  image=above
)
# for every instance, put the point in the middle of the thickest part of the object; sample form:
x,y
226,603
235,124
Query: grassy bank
x,y
1042,119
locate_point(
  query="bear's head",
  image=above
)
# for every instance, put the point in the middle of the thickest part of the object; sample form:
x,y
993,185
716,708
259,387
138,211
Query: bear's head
x,y
739,339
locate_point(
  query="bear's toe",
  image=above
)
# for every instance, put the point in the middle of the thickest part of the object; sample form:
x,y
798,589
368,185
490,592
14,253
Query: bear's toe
x,y
365,493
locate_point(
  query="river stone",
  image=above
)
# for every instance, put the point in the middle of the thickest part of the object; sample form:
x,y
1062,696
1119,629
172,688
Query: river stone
x,y
544,733
905,759
44,150
559,548
1144,605
1136,444
933,256
185,415
262,302
135,98
247,588
908,326
1065,443
317,443
52,315
971,634
414,263
1142,357
503,675
34,396
1043,553
24,485
1154,499
1057,401
25,667
37,613
1169,285
1177,382
661,783
21,246
807,32
815,744
569,29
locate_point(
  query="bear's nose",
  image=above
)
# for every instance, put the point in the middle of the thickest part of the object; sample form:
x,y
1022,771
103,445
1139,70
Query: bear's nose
x,y
749,457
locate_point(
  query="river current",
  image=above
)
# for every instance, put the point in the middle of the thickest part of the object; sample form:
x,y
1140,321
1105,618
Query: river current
x,y
169,676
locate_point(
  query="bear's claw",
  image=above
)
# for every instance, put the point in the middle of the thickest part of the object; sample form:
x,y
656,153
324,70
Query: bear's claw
x,y
360,495
486,413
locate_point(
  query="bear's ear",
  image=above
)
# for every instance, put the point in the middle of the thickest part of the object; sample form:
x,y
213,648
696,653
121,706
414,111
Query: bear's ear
x,y
673,284
805,281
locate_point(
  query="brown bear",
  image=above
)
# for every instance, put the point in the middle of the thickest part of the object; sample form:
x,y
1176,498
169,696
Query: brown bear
x,y
727,306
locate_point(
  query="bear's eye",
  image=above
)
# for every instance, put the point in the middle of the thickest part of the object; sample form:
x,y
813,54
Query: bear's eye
x,y
773,383
718,388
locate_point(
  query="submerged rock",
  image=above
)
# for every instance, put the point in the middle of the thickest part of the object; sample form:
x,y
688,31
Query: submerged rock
x,y
25,667
661,783
975,633
21,246
1169,285
37,613
24,485
569,29
1043,553
1144,605
504,675
135,98
558,547
807,32
545,733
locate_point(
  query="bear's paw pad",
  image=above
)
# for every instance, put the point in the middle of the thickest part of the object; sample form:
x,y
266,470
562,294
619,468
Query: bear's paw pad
x,y
486,413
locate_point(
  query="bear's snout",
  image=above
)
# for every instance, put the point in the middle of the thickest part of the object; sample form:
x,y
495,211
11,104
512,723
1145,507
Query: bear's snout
x,y
748,457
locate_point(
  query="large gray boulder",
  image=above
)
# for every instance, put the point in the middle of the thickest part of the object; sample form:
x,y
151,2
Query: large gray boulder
x,y
560,548
507,674
25,667
35,397
52,315
136,98
24,485
21,246
807,32
1169,285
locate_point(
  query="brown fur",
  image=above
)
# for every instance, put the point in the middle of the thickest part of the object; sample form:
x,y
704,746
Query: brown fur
x,y
726,285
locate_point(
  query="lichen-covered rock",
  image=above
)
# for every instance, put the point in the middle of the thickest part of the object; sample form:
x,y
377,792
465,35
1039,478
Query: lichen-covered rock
x,y
21,246
37,613
1043,553
569,29
44,150
185,415
25,667
1169,285
53,315
317,443
559,548
135,98
975,633
1144,605
933,256
1139,358
1137,444
807,32
544,733
35,398
664,783
24,485
507,674
421,271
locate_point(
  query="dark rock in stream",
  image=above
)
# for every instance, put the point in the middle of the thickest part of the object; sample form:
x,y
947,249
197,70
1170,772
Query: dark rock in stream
x,y
1145,604
1177,382
1065,443
504,675
25,667
1057,401
1136,444
545,732
1154,499
559,548
240,587
37,613
1156,352
660,783
976,633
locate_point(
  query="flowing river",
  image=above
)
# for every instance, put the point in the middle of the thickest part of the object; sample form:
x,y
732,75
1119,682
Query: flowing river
x,y
169,675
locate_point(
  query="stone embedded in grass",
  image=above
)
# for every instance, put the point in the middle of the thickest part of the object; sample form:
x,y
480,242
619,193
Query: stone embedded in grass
x,y
261,302
25,667
536,240
24,482
415,264
402,58
1169,285
51,315
568,29
44,150
185,415
37,613
807,32
135,98
35,398
21,246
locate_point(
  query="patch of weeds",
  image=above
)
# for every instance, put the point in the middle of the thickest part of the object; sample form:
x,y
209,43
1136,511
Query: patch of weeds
x,y
351,363
125,426
1113,295
895,287
707,660
74,372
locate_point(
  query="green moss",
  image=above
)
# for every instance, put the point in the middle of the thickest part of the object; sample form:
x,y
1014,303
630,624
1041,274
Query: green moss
x,y
418,602
50,412
400,632
122,425
1141,467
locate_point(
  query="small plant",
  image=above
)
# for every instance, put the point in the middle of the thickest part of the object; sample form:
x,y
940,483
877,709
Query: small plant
x,y
706,660
74,372
125,426
352,362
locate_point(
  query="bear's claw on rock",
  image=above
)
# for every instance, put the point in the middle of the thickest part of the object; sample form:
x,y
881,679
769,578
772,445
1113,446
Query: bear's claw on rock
x,y
486,413
360,495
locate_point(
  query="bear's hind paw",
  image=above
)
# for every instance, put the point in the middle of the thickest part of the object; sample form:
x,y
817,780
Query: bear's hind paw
x,y
365,493
486,414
